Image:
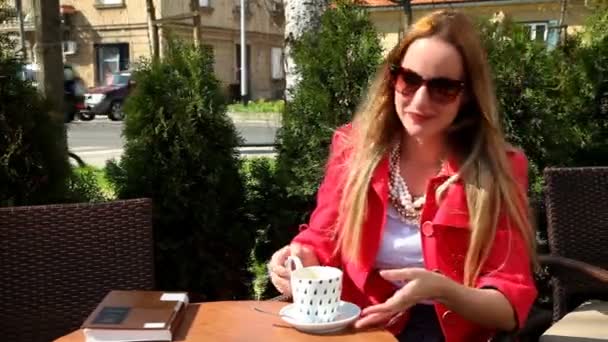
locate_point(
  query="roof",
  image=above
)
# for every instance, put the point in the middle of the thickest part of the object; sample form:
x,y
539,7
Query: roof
x,y
389,3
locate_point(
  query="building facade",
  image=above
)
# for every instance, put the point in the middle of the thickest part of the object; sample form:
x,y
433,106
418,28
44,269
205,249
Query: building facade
x,y
541,16
101,37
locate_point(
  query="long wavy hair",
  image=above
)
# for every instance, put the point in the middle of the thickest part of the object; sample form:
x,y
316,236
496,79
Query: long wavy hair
x,y
475,139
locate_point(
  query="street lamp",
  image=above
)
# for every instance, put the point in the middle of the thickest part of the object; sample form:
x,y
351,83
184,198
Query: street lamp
x,y
243,56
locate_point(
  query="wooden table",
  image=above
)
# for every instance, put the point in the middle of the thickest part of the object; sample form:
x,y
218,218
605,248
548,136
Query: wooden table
x,y
238,321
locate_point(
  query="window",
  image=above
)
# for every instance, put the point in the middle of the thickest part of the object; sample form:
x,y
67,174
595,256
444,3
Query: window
x,y
547,32
204,3
111,59
276,58
538,31
109,3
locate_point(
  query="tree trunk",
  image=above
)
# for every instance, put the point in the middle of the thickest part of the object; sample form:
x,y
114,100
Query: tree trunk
x,y
300,16
22,48
196,22
49,54
562,19
152,29
407,9
562,12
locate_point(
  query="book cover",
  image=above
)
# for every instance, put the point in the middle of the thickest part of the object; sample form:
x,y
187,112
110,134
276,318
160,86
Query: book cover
x,y
136,316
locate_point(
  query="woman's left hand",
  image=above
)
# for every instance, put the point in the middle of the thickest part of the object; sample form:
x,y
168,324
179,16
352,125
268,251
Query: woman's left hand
x,y
421,284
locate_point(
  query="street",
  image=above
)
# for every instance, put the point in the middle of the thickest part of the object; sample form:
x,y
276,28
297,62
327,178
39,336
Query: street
x,y
100,140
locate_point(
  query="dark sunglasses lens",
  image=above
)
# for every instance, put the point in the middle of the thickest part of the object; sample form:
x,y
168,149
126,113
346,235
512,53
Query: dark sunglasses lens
x,y
444,89
408,82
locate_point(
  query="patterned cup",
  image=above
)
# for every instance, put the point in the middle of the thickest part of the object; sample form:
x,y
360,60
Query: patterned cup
x,y
316,291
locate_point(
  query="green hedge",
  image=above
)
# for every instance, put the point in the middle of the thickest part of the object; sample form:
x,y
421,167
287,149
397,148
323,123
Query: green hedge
x,y
34,166
181,151
335,64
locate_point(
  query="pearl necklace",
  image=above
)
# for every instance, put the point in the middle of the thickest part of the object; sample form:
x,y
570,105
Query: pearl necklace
x,y
409,209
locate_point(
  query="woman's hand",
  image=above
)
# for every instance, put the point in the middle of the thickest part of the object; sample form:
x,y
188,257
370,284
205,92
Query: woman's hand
x,y
279,274
421,284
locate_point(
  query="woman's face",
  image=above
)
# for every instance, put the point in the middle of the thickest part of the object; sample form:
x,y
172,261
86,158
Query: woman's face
x,y
428,87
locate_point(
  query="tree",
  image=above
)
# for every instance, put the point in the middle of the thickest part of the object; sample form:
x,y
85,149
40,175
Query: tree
x,y
335,62
49,54
34,168
181,152
300,16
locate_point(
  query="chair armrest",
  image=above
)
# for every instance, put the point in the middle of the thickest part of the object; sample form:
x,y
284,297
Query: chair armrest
x,y
538,321
571,264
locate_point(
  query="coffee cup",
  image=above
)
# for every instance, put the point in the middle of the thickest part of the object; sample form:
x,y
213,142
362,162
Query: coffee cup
x,y
316,291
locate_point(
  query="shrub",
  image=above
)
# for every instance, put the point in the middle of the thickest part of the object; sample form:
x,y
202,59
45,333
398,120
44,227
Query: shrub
x,y
181,151
588,91
335,64
551,99
84,185
34,168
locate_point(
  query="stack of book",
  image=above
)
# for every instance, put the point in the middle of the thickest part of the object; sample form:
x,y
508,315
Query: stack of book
x,y
129,316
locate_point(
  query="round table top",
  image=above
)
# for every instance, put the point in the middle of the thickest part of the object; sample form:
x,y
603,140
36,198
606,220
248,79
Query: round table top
x,y
238,321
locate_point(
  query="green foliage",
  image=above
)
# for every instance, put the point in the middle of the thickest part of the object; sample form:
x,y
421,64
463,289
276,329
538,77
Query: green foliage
x,y
267,207
34,168
549,97
86,185
181,151
527,78
335,64
588,62
554,103
258,106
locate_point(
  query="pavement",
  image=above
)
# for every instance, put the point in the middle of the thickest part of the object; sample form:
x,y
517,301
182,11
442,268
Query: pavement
x,y
101,139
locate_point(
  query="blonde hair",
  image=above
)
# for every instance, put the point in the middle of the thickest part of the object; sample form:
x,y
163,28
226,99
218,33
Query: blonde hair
x,y
475,138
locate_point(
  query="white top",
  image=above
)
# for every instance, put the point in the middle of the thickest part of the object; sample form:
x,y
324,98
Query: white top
x,y
401,246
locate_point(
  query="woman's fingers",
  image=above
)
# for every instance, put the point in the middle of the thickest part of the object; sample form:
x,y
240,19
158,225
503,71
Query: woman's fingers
x,y
279,272
306,254
373,320
279,275
281,284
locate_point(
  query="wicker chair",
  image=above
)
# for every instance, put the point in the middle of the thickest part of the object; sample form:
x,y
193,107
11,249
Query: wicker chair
x,y
58,261
577,226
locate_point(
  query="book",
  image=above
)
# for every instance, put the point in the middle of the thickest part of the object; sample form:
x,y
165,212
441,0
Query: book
x,y
129,316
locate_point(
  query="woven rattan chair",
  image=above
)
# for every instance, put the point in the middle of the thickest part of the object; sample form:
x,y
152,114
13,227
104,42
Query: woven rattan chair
x,y
58,261
577,226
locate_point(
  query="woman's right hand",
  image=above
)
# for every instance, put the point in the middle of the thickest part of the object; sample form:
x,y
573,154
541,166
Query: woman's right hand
x,y
279,274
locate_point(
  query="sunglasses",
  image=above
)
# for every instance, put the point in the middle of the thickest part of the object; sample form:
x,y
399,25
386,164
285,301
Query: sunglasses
x,y
441,89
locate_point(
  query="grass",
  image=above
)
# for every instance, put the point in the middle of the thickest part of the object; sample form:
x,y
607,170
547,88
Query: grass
x,y
258,106
104,183
99,177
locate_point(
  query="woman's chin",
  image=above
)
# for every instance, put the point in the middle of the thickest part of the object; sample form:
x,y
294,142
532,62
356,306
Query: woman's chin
x,y
417,131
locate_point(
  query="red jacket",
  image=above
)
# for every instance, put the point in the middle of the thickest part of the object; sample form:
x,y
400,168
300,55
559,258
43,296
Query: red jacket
x,y
445,233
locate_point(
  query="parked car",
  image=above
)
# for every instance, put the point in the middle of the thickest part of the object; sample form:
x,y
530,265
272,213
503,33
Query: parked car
x,y
73,85
108,99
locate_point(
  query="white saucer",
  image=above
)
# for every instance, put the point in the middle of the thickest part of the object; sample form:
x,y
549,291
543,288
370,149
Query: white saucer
x,y
347,313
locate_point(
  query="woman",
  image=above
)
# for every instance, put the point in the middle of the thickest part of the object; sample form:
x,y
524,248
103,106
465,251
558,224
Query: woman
x,y
423,204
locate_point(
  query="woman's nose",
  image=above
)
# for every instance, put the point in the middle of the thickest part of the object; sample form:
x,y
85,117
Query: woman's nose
x,y
421,97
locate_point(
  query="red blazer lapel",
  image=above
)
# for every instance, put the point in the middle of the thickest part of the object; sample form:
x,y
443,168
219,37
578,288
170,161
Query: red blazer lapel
x,y
373,224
